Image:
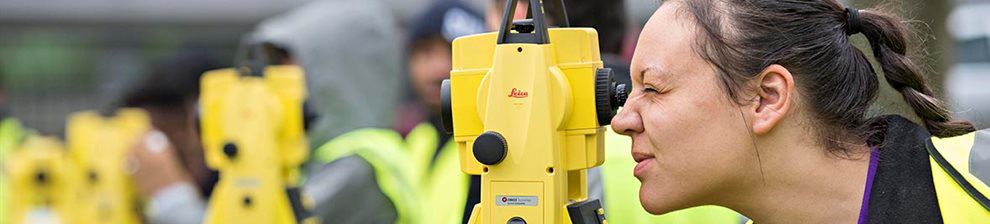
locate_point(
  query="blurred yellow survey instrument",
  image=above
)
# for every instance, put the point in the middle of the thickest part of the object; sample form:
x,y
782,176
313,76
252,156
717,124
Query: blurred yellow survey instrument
x,y
98,146
44,181
253,133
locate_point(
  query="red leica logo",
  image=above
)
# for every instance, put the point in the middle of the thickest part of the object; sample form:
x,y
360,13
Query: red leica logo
x,y
516,93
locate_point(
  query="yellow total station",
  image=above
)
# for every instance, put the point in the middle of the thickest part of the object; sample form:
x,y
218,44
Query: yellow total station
x,y
253,134
44,182
98,145
527,107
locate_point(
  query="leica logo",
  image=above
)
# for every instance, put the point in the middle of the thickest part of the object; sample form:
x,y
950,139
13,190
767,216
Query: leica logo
x,y
516,93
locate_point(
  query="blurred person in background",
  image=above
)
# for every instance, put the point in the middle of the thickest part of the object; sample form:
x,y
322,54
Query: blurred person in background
x,y
350,51
609,19
496,9
435,160
172,173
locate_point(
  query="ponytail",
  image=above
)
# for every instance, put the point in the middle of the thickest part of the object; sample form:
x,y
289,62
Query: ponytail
x,y
887,38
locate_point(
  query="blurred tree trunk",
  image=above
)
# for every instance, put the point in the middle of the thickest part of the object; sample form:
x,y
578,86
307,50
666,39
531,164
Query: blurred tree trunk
x,y
936,55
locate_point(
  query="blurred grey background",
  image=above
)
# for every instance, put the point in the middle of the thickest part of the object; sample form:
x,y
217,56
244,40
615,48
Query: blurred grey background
x,y
59,56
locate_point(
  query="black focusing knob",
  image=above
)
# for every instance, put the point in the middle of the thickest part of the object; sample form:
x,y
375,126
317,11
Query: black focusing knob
x,y
490,148
230,149
93,176
605,95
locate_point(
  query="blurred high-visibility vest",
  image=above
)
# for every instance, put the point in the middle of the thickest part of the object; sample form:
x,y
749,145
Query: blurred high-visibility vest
x,y
11,133
10,136
385,151
443,186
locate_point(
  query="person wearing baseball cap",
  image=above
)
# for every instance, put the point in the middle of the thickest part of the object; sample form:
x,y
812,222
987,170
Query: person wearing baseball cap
x,y
435,163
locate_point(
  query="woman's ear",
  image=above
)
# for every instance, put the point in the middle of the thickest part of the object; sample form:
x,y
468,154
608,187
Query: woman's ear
x,y
774,98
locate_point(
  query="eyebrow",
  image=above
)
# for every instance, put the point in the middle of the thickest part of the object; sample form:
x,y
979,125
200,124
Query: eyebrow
x,y
653,68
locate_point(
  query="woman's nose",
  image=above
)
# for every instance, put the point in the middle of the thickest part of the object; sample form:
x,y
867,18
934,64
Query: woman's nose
x,y
628,121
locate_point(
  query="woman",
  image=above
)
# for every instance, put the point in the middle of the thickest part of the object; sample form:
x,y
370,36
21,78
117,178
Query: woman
x,y
761,106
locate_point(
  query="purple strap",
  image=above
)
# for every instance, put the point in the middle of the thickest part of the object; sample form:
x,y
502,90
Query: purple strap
x,y
865,208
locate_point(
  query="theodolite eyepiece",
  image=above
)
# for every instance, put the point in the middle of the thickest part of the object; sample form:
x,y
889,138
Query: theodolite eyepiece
x,y
609,95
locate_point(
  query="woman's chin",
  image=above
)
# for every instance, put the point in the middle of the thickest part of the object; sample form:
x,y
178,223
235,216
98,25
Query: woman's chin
x,y
658,202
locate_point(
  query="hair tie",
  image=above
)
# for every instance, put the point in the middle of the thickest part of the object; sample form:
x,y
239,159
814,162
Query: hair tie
x,y
853,24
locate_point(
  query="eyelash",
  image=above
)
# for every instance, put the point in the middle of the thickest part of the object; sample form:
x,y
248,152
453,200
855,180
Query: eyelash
x,y
649,89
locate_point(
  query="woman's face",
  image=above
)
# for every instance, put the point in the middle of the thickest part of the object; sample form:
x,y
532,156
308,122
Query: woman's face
x,y
690,140
429,65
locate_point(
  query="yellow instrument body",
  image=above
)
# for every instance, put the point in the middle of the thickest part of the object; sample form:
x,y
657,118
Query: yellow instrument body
x,y
44,181
253,134
99,146
541,99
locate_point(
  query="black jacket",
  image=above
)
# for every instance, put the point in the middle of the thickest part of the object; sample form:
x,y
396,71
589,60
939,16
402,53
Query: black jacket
x,y
903,190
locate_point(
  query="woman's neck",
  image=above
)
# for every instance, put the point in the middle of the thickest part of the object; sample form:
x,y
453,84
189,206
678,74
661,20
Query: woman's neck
x,y
803,183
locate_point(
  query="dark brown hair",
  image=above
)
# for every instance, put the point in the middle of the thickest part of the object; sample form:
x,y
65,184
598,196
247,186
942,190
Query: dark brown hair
x,y
812,40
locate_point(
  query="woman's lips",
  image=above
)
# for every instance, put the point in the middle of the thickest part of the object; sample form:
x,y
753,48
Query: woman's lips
x,y
641,167
643,162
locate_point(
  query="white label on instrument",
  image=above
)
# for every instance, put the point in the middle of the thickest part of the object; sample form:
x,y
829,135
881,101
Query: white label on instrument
x,y
41,216
247,182
505,200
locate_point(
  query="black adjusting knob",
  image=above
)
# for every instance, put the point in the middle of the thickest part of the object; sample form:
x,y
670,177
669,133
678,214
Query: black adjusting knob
x,y
230,149
41,177
620,96
489,148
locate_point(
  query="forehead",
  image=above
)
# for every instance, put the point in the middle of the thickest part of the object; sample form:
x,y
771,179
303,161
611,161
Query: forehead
x,y
667,40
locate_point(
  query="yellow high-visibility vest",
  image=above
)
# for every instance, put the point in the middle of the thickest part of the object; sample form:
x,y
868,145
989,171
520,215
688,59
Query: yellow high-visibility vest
x,y
960,171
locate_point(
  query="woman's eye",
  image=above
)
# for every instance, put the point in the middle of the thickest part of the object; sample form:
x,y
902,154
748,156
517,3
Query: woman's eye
x,y
649,89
